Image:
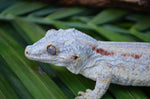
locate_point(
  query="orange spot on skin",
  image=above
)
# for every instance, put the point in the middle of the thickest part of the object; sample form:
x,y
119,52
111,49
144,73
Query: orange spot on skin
x,y
101,51
120,66
137,56
124,55
109,66
110,53
131,55
147,67
104,52
89,56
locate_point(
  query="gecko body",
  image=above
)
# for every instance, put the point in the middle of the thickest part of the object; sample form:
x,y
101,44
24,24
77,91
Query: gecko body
x,y
124,63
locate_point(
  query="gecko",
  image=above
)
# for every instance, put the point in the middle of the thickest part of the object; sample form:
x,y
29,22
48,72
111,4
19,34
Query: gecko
x,y
123,63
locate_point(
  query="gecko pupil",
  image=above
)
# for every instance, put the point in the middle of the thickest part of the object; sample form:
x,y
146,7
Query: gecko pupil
x,y
51,50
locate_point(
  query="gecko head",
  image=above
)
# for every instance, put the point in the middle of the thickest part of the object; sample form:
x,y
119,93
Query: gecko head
x,y
70,48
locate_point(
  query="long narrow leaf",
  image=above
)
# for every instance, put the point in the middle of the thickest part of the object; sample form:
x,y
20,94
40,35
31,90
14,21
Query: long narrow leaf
x,y
109,34
2,96
142,36
19,88
107,16
22,8
65,13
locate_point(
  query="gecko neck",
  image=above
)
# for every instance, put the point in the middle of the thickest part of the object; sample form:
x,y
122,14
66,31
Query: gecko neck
x,y
100,56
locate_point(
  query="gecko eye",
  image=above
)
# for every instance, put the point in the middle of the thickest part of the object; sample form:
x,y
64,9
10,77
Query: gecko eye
x,y
51,49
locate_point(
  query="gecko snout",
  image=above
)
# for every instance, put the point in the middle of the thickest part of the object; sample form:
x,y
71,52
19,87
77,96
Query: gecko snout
x,y
27,50
31,50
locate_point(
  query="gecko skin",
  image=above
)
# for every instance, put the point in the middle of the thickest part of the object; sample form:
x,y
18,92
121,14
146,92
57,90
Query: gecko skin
x,y
124,63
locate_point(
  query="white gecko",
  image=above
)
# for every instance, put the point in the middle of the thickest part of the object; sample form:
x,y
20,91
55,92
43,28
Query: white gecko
x,y
124,63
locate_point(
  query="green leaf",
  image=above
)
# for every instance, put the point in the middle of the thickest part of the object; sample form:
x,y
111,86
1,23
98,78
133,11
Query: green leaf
x,y
45,11
109,34
7,89
12,8
143,24
22,8
65,13
14,82
121,93
32,30
117,29
140,35
5,4
2,95
107,16
137,93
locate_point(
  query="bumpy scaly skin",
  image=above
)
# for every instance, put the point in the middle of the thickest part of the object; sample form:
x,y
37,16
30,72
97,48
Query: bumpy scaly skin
x,y
123,63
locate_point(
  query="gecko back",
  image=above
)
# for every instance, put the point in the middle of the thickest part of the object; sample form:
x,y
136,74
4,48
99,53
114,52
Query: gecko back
x,y
129,61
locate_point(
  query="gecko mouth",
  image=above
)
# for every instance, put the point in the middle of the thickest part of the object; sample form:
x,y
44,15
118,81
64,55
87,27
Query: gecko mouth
x,y
46,60
37,58
42,59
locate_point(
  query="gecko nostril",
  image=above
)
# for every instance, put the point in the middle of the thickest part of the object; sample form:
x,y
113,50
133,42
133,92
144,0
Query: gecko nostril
x,y
27,52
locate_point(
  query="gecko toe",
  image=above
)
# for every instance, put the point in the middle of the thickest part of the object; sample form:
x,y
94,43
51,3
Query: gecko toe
x,y
81,93
88,90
